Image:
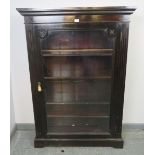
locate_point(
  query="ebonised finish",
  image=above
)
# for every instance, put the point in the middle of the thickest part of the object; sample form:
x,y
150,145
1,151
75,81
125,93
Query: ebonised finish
x,y
77,61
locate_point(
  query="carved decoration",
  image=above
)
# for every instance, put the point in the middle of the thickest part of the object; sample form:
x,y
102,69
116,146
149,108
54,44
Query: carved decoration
x,y
110,32
105,30
43,33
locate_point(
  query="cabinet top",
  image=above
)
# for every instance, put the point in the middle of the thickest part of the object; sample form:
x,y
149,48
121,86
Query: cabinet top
x,y
119,10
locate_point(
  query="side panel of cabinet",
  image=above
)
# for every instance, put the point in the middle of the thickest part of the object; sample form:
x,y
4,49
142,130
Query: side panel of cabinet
x,y
116,109
36,75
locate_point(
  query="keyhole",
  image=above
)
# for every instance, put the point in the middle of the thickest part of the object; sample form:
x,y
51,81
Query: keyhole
x,y
76,20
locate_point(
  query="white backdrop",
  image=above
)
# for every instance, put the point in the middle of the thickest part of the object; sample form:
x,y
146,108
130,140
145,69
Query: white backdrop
x,y
20,79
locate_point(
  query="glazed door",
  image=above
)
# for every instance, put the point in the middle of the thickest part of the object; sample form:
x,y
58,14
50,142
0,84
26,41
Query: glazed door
x,y
77,78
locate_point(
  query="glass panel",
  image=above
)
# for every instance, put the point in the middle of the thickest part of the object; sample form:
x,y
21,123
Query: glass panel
x,y
78,94
79,91
93,91
77,110
77,39
78,67
83,125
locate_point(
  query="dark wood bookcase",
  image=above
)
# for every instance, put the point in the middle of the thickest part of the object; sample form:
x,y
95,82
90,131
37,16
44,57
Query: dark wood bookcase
x,y
77,61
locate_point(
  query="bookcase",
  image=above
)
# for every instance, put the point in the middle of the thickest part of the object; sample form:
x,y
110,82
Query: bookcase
x,y
77,62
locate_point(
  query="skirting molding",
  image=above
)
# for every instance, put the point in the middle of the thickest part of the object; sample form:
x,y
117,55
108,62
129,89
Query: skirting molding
x,y
128,126
25,126
13,131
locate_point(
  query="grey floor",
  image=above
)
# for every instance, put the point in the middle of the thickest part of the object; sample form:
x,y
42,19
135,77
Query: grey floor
x,y
22,144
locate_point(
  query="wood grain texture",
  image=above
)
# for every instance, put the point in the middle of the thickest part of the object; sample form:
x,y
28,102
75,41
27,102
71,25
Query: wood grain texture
x,y
36,76
106,142
78,10
119,79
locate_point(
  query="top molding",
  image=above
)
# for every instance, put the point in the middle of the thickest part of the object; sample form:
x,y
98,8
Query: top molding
x,y
117,10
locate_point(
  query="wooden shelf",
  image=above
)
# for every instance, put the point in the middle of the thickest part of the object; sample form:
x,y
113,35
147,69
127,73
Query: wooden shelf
x,y
77,52
75,116
77,78
77,103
